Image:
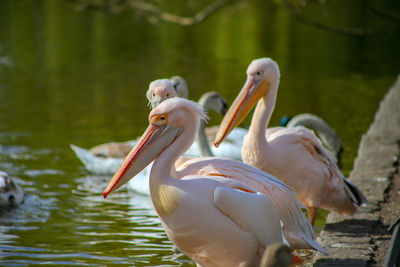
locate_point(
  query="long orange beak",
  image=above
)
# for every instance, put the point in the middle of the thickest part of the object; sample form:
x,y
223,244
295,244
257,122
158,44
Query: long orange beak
x,y
251,92
154,140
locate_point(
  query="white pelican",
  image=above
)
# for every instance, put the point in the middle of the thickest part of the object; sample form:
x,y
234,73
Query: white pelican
x,y
155,94
321,128
209,101
294,155
11,194
160,91
105,158
209,208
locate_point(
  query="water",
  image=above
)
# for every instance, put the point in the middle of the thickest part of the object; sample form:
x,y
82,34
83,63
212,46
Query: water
x,y
70,76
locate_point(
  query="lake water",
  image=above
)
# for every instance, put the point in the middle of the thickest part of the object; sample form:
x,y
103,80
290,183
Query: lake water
x,y
73,76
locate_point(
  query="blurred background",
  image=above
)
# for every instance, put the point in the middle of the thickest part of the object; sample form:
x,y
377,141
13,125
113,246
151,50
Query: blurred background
x,y
76,72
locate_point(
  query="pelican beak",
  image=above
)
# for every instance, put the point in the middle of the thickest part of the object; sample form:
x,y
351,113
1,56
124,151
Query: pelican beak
x,y
251,92
154,103
154,140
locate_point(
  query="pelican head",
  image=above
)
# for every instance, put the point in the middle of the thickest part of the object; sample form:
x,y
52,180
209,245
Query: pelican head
x,y
166,123
180,85
261,74
160,90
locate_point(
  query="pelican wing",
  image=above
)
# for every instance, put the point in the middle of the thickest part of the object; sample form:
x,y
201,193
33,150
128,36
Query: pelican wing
x,y
99,165
253,212
113,149
297,228
323,156
308,139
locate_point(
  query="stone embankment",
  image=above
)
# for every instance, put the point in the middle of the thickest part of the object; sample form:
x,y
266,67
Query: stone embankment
x,y
350,240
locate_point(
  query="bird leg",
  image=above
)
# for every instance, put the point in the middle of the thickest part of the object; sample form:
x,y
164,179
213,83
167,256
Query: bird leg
x,y
311,214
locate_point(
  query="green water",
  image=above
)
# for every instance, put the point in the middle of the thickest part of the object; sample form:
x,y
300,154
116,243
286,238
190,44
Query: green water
x,y
72,76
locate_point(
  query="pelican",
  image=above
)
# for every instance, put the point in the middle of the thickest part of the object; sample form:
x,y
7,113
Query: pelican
x,y
219,212
105,158
321,128
230,149
294,155
160,91
155,97
116,151
11,193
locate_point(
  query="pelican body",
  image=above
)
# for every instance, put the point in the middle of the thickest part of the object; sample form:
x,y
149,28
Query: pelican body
x,y
294,155
214,219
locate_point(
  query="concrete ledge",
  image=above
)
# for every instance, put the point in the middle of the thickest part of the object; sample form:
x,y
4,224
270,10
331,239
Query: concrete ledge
x,y
348,239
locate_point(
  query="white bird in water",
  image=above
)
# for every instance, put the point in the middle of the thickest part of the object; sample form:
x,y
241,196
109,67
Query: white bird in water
x,y
295,155
210,209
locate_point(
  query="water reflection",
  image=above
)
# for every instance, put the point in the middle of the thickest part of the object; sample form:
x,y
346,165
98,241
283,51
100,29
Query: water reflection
x,y
127,223
126,219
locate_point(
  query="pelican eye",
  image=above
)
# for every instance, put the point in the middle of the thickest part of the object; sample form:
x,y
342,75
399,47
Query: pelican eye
x,y
258,73
159,119
167,95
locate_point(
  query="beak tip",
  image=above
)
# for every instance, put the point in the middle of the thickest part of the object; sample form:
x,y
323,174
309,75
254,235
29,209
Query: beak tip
x,y
105,194
216,144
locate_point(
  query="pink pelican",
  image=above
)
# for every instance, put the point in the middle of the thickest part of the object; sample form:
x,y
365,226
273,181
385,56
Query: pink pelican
x,y
158,91
211,208
294,155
